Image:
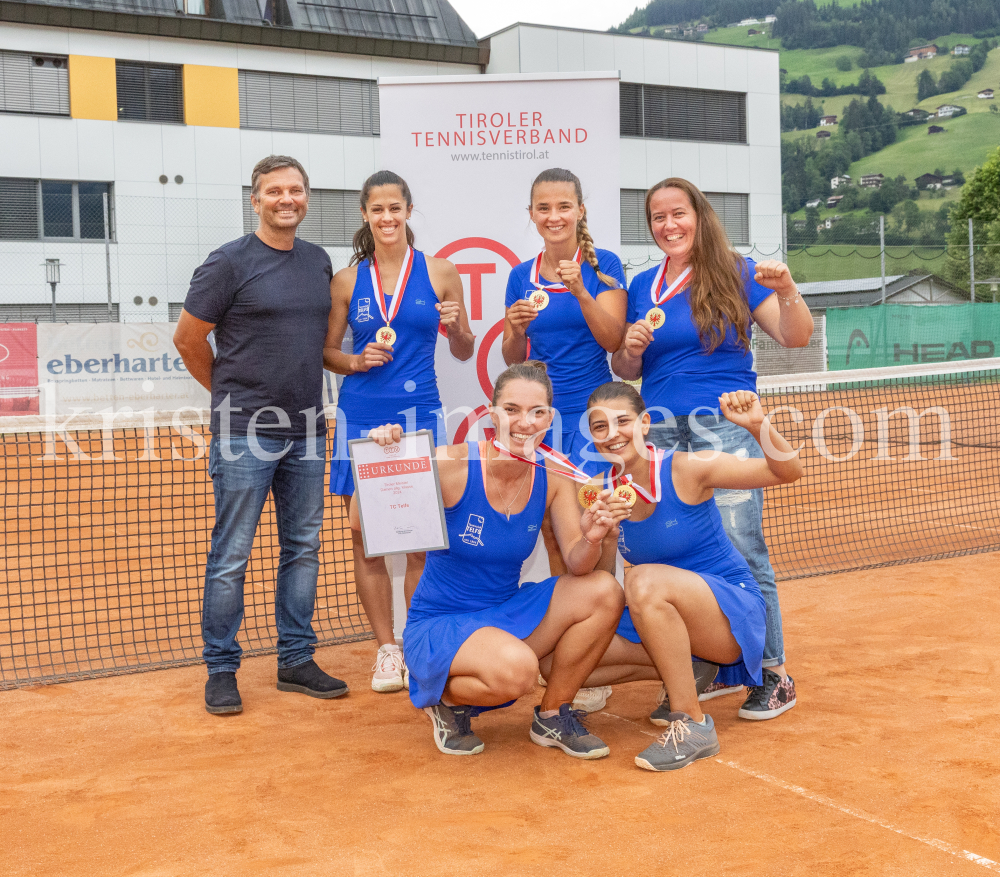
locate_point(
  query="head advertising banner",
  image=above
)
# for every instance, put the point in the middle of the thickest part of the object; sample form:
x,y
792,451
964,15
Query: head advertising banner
x,y
469,148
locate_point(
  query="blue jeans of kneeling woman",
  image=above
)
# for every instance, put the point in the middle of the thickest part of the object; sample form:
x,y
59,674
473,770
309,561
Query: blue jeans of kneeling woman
x,y
742,511
242,477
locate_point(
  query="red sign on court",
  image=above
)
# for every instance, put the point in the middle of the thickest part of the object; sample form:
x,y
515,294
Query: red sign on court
x,y
18,368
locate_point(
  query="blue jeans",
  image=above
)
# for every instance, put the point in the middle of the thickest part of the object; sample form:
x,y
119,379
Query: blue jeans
x,y
742,511
241,487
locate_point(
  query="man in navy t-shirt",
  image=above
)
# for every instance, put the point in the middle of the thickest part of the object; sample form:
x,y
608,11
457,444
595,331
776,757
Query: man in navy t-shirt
x,y
267,296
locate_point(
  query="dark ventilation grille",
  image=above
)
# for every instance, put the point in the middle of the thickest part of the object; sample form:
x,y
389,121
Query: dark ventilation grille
x,y
65,313
19,211
732,209
149,92
290,102
174,309
333,218
658,111
33,84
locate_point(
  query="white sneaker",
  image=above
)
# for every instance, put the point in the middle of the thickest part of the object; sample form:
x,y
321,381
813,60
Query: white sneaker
x,y
388,670
592,699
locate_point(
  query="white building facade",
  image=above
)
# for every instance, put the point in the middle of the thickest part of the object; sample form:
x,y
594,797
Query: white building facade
x,y
170,126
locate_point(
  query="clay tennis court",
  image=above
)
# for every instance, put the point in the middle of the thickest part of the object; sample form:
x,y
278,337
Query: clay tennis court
x,y
886,765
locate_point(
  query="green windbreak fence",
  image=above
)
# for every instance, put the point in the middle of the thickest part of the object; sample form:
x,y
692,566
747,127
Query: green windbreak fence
x,y
888,335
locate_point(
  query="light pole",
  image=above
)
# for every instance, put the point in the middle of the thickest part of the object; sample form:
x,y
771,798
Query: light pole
x,y
52,278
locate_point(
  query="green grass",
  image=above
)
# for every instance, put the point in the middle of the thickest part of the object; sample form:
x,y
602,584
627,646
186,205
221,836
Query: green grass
x,y
845,262
737,36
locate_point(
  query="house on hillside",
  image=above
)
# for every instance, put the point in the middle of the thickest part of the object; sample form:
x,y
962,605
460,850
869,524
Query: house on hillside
x,y
946,111
670,28
815,202
689,31
960,49
701,28
929,181
872,181
935,129
922,53
770,19
752,33
949,182
843,180
748,21
828,120
799,224
823,135
917,113
985,94
833,201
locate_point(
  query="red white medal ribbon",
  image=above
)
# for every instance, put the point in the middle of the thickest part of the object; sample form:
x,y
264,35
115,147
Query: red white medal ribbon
x,y
655,291
574,471
536,269
397,295
656,485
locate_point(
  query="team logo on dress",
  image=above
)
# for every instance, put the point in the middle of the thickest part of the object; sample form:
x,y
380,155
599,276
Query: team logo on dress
x,y
670,524
532,528
622,547
474,530
363,307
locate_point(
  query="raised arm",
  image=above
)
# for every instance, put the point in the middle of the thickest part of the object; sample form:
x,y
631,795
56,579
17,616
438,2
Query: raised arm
x,y
784,315
697,474
451,305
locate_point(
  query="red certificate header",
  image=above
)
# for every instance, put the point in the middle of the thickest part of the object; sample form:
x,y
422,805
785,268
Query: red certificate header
x,y
392,468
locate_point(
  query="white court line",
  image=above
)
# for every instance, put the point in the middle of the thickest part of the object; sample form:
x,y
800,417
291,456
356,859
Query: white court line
x,y
981,529
850,811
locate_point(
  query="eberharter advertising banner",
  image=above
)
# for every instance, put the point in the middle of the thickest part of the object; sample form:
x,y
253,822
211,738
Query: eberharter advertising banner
x,y
890,335
469,148
100,366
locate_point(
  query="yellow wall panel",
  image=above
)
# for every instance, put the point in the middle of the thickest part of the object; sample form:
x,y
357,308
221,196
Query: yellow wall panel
x,y
93,93
211,96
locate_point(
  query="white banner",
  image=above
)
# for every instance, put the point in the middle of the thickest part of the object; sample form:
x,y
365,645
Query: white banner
x,y
90,367
469,148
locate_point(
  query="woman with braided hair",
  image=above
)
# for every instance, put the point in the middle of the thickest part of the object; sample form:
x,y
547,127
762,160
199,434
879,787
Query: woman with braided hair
x,y
570,303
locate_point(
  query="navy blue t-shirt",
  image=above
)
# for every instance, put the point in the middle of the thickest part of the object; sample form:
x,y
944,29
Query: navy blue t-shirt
x,y
270,309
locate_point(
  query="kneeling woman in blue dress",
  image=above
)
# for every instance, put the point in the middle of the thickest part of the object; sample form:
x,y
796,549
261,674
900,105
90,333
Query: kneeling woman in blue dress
x,y
689,591
473,638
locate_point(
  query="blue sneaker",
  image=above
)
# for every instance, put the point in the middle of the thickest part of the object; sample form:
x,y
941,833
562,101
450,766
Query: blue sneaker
x,y
566,732
453,730
684,741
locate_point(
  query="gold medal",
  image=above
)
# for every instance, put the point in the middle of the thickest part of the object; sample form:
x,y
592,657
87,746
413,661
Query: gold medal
x,y
655,318
386,335
626,493
540,299
588,495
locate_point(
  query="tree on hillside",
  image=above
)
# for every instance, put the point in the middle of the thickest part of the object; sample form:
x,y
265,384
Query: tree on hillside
x,y
980,202
870,85
926,86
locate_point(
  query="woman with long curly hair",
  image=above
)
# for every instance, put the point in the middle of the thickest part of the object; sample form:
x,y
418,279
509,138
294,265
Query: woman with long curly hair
x,y
688,337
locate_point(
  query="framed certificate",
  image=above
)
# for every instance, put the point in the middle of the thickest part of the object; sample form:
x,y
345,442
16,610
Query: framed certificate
x,y
398,493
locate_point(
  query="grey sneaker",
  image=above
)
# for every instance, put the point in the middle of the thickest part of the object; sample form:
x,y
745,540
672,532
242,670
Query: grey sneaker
x,y
566,732
453,730
684,741
704,674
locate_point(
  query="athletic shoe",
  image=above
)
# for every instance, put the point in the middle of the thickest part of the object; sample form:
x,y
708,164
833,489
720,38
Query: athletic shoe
x,y
591,700
388,670
453,730
770,700
718,689
565,731
222,697
406,676
704,673
308,679
684,741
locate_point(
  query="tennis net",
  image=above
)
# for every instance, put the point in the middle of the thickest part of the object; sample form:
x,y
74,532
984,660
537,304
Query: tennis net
x,y
106,530
106,533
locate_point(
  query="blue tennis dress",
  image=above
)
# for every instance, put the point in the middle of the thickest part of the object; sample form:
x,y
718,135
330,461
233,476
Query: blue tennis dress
x,y
403,391
691,537
474,583
577,364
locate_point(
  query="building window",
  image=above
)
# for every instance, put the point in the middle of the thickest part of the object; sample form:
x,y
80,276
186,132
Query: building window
x,y
34,84
53,210
193,7
732,208
333,218
325,104
663,112
149,92
65,313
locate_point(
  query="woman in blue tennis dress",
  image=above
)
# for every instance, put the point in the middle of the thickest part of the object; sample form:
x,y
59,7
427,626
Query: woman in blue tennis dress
x,y
689,591
473,637
394,298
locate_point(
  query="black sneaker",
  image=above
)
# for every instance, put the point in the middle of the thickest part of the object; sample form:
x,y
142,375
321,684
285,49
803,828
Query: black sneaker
x,y
222,697
704,673
770,700
308,679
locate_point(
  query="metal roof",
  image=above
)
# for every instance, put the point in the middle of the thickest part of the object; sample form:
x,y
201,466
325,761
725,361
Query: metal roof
x,y
420,29
862,292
